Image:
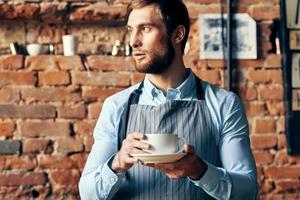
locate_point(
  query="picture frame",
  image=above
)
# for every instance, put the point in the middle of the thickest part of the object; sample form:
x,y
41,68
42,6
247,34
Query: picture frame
x,y
213,36
295,70
295,40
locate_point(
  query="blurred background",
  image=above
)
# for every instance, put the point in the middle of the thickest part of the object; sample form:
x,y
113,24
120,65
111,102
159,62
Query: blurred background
x,y
49,102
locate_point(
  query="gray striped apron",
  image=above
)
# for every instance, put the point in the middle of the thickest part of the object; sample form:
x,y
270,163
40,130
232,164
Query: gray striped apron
x,y
190,120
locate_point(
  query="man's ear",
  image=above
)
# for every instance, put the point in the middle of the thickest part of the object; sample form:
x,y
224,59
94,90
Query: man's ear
x,y
178,34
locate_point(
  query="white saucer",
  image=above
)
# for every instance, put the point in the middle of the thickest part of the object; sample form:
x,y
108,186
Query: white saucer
x,y
158,158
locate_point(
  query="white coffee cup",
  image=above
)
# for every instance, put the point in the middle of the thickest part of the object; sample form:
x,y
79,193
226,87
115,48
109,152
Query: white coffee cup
x,y
37,49
163,143
69,45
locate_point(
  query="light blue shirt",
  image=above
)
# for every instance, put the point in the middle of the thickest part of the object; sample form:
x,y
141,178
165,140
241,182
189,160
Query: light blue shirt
x,y
235,180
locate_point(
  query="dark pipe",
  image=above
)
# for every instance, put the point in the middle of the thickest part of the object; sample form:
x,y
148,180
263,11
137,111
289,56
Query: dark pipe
x,y
229,39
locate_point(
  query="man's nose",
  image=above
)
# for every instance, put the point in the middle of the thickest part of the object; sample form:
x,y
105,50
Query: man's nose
x,y
135,40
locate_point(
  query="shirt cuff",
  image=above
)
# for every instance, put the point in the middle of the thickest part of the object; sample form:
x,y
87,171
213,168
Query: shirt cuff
x,y
211,177
108,175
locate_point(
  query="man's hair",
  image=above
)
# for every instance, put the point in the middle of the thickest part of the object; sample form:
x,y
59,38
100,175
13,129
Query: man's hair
x,y
173,12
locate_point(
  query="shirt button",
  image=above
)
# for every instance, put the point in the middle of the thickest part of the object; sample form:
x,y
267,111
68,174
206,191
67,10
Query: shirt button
x,y
113,180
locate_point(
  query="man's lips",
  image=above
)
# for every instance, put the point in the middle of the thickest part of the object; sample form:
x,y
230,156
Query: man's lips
x,y
138,55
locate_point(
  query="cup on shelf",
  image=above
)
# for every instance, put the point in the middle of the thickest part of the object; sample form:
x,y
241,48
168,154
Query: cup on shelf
x,y
69,45
37,49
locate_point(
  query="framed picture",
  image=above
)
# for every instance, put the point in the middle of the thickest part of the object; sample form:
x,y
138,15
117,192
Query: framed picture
x,y
213,36
295,40
295,70
292,13
296,100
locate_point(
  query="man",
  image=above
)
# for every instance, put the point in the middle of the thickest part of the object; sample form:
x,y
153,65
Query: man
x,y
219,163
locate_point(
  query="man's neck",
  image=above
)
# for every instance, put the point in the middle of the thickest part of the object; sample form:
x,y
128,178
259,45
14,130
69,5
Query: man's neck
x,y
171,78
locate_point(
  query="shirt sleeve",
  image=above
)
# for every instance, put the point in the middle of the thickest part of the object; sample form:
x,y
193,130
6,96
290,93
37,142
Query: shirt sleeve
x,y
98,181
236,178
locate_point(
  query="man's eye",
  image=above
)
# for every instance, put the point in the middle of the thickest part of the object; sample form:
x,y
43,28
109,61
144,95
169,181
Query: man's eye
x,y
146,29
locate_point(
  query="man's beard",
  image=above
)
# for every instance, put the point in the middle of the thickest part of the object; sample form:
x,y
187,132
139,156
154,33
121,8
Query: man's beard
x,y
159,63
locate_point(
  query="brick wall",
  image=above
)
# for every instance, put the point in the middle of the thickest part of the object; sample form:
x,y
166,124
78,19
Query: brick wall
x,y
49,104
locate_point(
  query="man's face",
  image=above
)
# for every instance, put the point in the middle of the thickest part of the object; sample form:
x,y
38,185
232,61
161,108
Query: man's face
x,y
152,48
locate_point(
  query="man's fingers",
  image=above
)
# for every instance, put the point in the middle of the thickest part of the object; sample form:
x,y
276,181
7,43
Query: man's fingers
x,y
136,136
140,145
188,148
131,160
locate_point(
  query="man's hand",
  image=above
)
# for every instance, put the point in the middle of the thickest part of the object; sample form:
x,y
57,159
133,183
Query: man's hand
x,y
132,144
190,165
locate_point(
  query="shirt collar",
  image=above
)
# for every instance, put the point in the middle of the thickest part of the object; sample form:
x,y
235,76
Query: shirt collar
x,y
182,90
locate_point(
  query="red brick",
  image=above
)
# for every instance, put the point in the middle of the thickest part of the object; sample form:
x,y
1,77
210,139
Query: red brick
x,y
7,129
265,125
216,63
54,78
190,61
99,12
248,63
251,2
72,112
281,141
67,94
266,186
286,185
263,157
53,11
263,141
32,111
255,109
265,12
283,172
137,78
273,61
260,173
17,78
65,146
47,34
282,158
9,95
55,162
271,92
194,11
11,62
79,159
266,46
265,76
22,179
88,143
275,107
99,94
248,94
110,63
280,125
94,110
37,146
17,162
26,11
84,128
101,78
69,63
212,76
41,62
287,196
204,1
63,177
265,29
45,129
